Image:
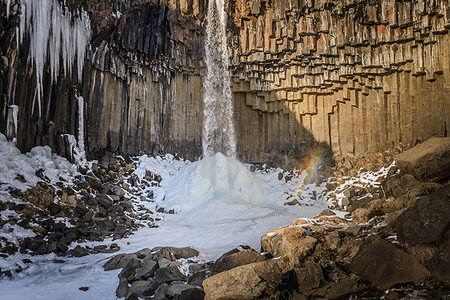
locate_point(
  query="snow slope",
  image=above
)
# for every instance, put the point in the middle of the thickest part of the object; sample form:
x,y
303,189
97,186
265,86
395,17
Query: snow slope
x,y
220,205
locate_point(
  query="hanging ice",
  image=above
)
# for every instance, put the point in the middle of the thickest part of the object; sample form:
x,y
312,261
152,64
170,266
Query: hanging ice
x,y
13,111
218,128
55,35
81,128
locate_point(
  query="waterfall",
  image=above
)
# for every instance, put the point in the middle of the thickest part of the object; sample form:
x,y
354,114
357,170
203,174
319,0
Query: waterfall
x,y
218,126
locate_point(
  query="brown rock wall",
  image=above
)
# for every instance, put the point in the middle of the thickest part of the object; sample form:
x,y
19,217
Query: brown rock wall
x,y
356,75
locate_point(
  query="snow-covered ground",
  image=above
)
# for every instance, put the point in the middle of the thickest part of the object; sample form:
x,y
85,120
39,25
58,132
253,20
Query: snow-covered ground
x,y
219,205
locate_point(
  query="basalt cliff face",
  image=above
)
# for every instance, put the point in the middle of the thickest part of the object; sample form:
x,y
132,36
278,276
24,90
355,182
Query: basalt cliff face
x,y
354,76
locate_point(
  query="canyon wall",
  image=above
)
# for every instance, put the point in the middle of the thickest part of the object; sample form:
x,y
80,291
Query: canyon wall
x,y
358,76
353,76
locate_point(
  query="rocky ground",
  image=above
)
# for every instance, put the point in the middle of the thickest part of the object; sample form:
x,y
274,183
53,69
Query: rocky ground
x,y
389,240
385,234
97,204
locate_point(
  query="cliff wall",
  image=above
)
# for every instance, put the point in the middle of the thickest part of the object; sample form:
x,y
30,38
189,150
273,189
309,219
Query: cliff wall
x,y
355,76
358,76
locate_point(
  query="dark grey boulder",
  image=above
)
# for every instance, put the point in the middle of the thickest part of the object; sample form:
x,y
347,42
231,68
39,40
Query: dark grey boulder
x,y
427,220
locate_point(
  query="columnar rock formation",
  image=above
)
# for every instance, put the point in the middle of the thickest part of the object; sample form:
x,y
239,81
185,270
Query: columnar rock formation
x,y
356,76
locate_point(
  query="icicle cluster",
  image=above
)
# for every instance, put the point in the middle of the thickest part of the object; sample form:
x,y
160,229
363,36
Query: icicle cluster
x,y
8,7
55,36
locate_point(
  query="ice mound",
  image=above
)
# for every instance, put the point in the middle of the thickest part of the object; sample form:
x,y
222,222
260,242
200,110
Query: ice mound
x,y
214,179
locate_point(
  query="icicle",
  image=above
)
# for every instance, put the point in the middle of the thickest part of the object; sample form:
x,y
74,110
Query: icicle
x,y
81,128
8,8
53,36
13,112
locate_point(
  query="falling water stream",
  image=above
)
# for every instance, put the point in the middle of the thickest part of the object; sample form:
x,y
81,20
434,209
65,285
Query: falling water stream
x,y
218,128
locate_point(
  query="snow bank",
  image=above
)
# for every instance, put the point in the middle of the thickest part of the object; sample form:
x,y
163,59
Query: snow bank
x,y
13,163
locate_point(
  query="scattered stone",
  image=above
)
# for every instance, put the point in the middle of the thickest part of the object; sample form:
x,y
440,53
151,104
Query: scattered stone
x,y
84,288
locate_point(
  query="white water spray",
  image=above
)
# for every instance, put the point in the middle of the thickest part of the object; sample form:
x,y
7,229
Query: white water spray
x,y
218,128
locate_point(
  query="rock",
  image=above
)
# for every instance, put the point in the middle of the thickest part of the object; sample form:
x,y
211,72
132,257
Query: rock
x,y
41,195
130,269
227,262
185,252
143,253
118,261
343,287
169,274
84,288
184,291
54,208
385,265
160,293
440,264
291,242
79,251
197,278
309,277
428,161
142,288
244,282
427,220
103,201
123,288
147,269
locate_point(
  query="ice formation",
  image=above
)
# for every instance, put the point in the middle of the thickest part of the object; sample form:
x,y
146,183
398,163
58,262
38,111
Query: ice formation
x,y
218,126
82,152
56,35
13,111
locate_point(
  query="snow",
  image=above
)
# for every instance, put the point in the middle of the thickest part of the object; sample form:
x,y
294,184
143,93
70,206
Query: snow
x,y
13,163
220,205
54,33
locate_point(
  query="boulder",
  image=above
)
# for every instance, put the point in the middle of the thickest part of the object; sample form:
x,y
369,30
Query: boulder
x,y
178,290
290,242
147,269
428,161
385,265
122,288
140,289
118,261
243,282
309,277
169,274
427,220
130,269
229,261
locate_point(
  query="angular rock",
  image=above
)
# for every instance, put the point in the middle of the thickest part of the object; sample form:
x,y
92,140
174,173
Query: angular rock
x,y
130,269
427,220
118,261
160,293
291,242
184,291
244,282
309,277
122,288
147,269
169,274
142,288
227,262
385,265
429,160
197,278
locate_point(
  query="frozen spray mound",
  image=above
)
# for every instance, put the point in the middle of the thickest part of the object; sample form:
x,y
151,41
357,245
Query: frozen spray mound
x,y
218,182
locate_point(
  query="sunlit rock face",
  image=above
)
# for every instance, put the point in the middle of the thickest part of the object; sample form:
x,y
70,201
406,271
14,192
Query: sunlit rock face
x,y
353,78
